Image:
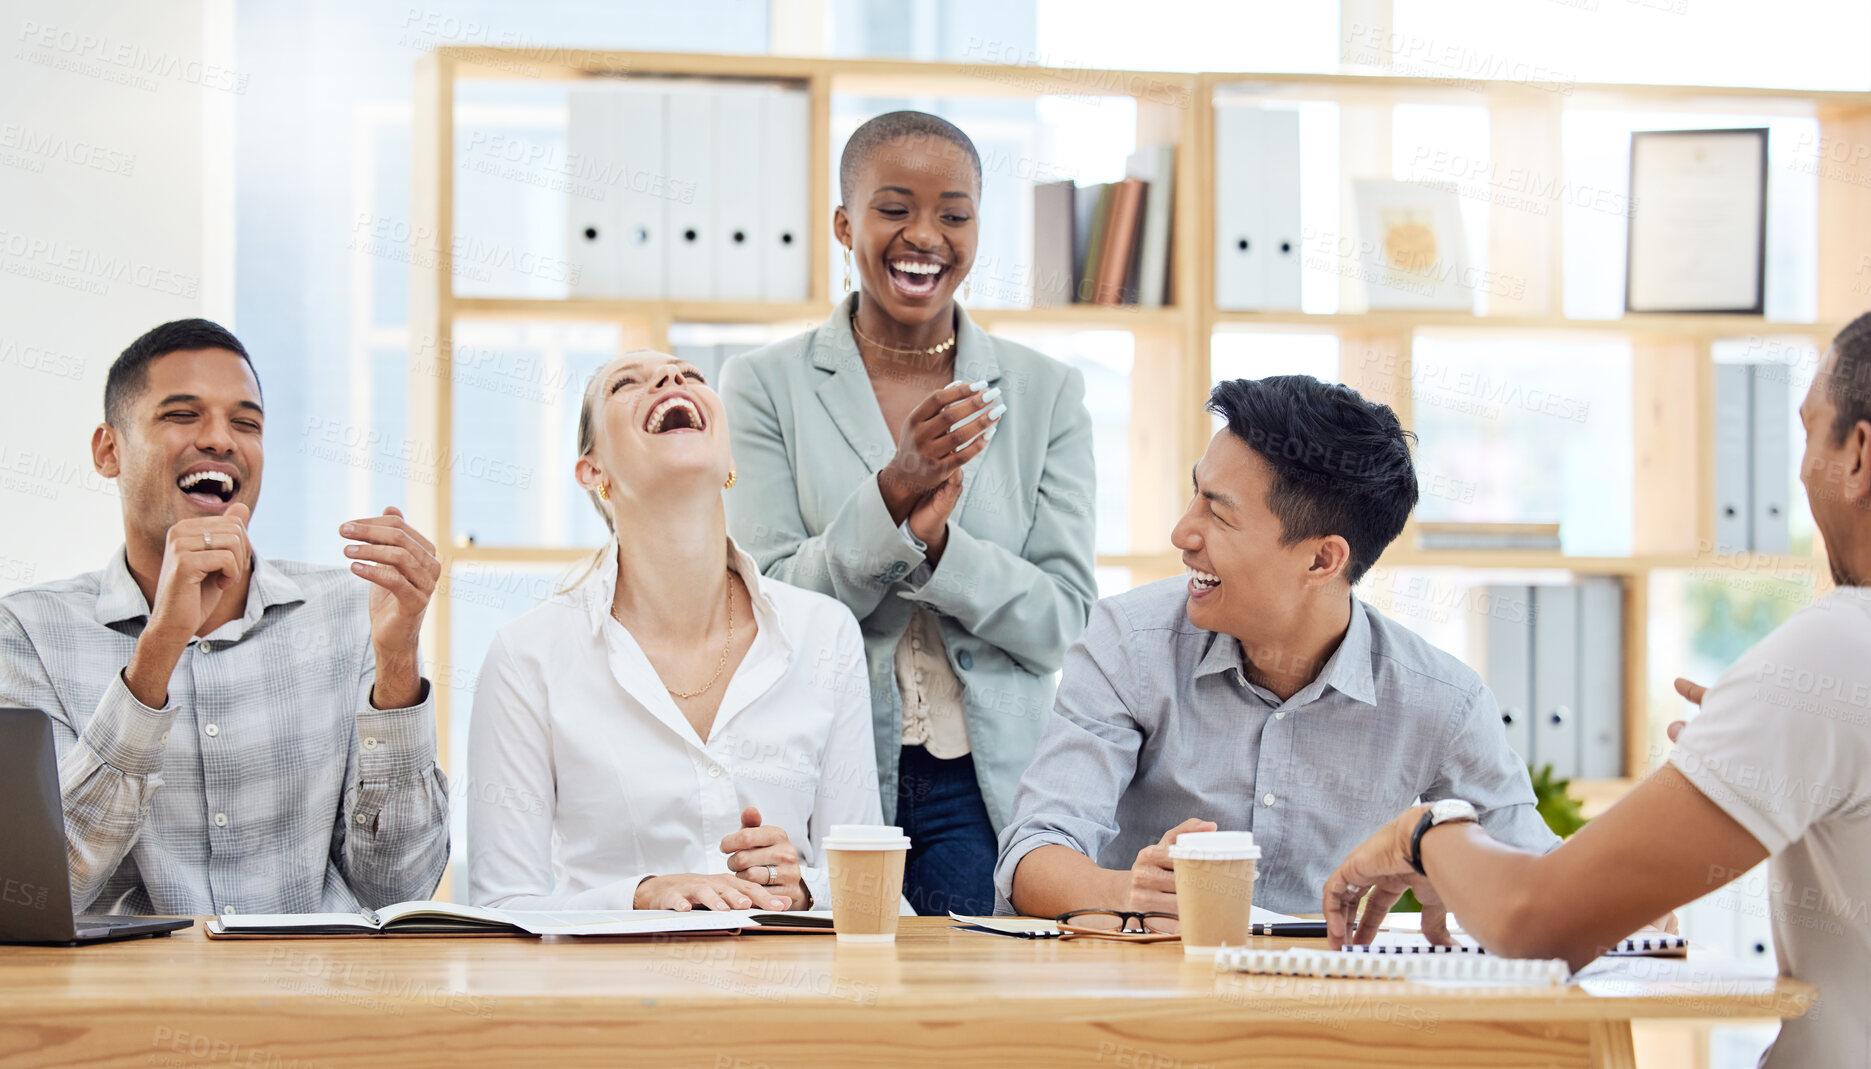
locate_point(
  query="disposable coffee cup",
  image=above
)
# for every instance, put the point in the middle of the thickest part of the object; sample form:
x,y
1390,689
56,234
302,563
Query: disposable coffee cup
x,y
866,862
1215,873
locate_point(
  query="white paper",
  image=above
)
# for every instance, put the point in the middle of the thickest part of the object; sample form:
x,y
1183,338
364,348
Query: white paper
x,y
1413,922
629,921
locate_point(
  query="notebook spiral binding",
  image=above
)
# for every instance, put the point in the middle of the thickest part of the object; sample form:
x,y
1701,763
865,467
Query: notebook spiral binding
x,y
1649,946
1340,964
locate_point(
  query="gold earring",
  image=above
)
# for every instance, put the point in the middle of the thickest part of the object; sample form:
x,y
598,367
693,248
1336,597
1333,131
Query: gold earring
x,y
732,478
604,491
847,270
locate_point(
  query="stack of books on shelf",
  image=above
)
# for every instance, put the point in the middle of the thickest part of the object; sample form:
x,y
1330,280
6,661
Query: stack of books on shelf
x,y
1108,243
1526,537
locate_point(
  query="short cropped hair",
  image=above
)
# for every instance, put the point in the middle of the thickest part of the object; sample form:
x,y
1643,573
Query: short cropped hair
x,y
129,373
1850,384
1341,464
895,126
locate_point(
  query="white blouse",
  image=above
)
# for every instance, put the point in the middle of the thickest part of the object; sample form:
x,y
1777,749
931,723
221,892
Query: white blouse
x,y
584,777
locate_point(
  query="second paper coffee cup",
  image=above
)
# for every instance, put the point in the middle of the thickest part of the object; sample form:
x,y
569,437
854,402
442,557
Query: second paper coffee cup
x,y
1215,873
866,862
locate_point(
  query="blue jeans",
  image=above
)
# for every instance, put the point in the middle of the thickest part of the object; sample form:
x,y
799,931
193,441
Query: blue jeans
x,y
952,844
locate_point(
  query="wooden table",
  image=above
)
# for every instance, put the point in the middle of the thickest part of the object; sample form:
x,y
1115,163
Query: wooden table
x,y
937,997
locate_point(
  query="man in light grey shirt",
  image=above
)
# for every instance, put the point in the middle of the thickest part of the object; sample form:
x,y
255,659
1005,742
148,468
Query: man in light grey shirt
x,y
1257,693
234,734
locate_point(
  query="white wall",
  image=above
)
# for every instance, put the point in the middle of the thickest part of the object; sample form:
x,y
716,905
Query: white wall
x,y
115,215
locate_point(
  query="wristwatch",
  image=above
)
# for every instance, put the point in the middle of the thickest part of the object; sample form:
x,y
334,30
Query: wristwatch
x,y
1447,811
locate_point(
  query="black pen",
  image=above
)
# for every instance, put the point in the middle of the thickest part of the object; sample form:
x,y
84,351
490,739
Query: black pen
x,y
1296,930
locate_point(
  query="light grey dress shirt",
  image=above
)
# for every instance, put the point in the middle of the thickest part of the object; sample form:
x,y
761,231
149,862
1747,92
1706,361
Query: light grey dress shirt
x,y
1156,722
268,784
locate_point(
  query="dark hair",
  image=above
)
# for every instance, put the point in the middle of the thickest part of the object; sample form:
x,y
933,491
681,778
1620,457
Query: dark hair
x,y
1341,464
894,126
1848,388
129,373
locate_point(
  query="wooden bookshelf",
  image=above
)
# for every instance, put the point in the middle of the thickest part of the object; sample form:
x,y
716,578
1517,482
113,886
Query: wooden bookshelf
x,y
1672,385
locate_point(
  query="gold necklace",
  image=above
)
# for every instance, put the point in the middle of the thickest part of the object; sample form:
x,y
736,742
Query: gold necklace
x,y
933,350
725,650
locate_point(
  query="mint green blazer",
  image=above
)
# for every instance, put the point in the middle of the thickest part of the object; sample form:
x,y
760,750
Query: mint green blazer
x,y
1016,582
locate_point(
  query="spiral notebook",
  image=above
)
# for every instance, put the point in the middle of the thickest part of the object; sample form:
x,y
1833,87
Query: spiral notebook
x,y
1646,944
1363,965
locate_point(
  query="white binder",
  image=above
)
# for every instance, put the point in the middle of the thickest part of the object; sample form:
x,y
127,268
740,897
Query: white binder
x,y
1280,217
1257,238
1772,467
1601,678
739,174
1734,431
1240,195
1556,679
1510,665
689,118
642,194
592,224
786,139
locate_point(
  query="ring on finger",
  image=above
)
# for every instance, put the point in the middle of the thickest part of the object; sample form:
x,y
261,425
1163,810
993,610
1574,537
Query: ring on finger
x,y
773,875
207,540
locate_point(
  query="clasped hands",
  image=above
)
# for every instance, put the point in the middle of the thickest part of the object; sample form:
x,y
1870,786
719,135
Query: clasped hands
x,y
750,850
923,480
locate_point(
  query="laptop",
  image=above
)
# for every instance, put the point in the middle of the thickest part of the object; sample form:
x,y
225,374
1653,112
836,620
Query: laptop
x,y
35,886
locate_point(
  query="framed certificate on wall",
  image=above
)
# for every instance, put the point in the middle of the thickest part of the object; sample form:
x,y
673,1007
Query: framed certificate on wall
x,y
1412,249
1698,233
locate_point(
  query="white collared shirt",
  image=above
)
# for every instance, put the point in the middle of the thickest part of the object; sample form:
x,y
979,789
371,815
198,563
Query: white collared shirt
x,y
584,777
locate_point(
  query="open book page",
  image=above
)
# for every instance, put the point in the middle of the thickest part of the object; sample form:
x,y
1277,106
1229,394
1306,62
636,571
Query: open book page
x,y
444,911
235,922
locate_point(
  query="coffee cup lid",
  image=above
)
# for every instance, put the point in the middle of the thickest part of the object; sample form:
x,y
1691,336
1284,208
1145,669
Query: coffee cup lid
x,y
866,837
1215,846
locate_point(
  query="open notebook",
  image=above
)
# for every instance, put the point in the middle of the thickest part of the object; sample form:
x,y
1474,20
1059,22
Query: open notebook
x,y
454,919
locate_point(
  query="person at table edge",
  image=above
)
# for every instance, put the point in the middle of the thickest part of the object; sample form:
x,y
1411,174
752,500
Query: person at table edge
x,y
1258,692
235,734
1776,767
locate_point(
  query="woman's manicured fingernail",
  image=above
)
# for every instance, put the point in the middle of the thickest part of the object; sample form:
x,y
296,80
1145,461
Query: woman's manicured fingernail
x,y
978,386
952,385
991,395
997,411
989,436
348,529
967,419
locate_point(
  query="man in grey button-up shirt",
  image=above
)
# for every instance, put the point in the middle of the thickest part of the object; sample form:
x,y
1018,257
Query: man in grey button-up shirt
x,y
1258,693
234,733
